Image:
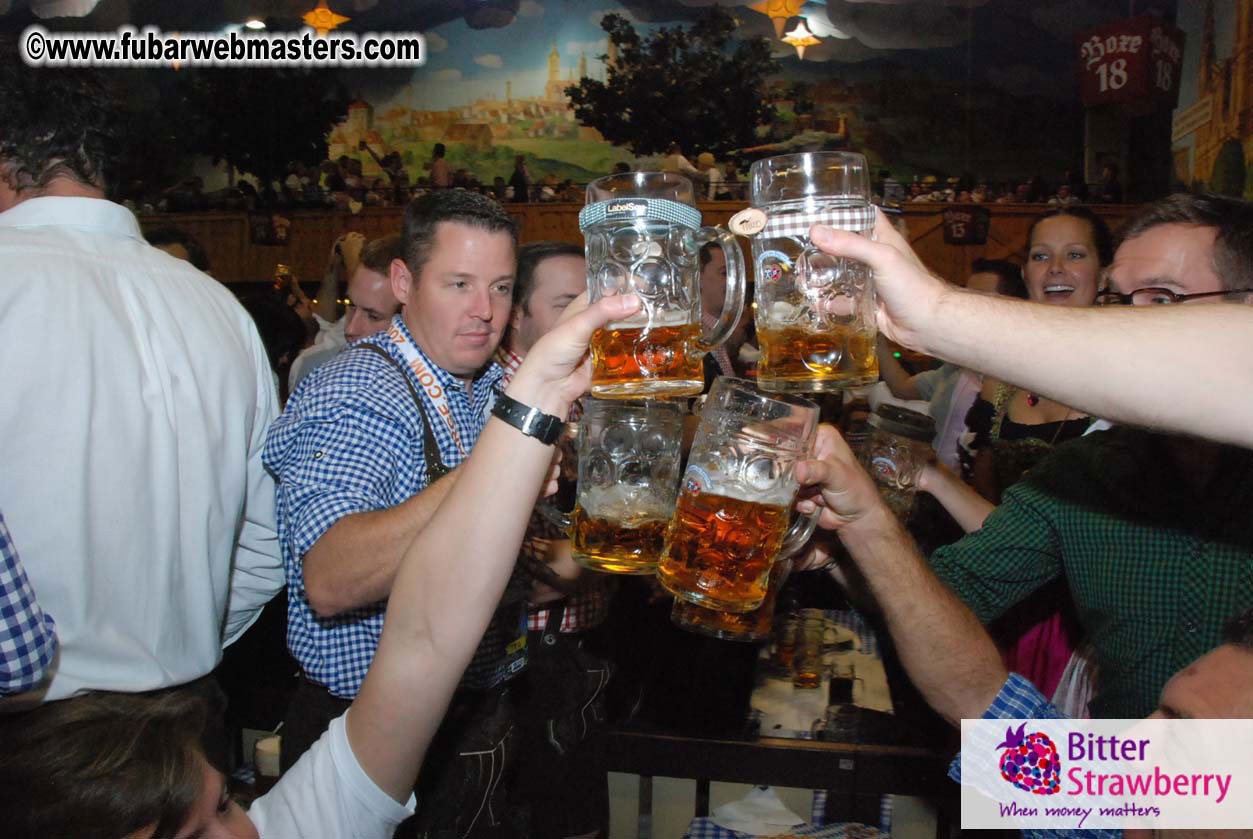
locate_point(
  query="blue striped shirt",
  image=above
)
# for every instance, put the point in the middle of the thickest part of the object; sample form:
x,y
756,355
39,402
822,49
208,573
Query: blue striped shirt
x,y
28,637
1020,700
350,441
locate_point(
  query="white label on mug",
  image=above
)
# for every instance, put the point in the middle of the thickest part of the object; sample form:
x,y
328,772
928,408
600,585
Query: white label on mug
x,y
747,222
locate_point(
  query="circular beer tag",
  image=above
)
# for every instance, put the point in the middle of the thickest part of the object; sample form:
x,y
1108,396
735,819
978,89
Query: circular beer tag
x,y
747,222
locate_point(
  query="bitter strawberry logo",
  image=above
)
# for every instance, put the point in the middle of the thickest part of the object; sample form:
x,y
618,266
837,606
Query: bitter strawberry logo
x,y
1030,761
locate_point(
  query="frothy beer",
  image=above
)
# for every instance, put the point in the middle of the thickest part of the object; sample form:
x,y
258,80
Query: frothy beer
x,y
719,550
608,544
655,355
796,358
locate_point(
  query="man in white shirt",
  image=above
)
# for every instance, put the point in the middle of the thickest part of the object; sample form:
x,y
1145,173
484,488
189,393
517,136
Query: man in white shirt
x,y
136,397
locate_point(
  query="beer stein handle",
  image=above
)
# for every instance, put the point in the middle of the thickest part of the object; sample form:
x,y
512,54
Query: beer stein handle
x,y
733,303
546,508
555,517
798,533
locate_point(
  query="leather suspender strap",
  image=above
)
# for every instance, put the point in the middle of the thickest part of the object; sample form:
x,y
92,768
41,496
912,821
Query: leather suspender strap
x,y
435,468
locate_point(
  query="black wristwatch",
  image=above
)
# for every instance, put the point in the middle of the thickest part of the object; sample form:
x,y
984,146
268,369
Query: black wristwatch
x,y
530,421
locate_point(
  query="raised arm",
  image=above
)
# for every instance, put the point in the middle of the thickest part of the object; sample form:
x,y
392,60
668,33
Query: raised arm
x,y
894,373
438,611
1168,367
967,507
944,648
354,563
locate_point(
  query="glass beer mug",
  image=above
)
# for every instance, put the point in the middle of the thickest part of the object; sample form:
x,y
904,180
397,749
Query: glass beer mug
x,y
732,518
734,626
898,448
643,235
629,456
815,313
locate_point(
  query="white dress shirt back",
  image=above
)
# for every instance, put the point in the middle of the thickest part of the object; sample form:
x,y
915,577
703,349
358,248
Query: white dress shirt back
x,y
135,396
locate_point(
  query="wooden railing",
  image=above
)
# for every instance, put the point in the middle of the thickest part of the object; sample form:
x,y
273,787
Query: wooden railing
x,y
235,258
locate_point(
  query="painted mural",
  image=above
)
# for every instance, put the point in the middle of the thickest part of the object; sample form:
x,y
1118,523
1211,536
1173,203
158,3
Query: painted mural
x,y
1213,125
984,89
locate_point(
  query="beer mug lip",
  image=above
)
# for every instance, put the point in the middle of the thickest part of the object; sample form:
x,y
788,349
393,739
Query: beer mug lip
x,y
903,422
665,410
778,419
668,185
834,175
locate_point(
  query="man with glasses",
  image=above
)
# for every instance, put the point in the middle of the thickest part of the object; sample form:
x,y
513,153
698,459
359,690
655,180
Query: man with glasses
x,y
1151,366
1151,531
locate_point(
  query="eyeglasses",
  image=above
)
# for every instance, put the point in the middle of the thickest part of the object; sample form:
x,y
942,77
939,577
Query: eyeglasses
x,y
1157,296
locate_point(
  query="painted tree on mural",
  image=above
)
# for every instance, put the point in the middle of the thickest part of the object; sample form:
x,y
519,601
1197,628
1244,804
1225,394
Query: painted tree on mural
x,y
258,120
698,86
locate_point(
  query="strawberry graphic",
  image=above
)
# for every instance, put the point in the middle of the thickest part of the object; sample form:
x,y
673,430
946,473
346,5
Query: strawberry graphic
x,y
1030,761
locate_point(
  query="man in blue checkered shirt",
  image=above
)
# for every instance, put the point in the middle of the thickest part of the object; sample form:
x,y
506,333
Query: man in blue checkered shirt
x,y
358,453
946,651
28,637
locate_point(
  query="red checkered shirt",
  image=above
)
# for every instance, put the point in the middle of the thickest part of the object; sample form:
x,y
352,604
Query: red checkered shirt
x,y
584,609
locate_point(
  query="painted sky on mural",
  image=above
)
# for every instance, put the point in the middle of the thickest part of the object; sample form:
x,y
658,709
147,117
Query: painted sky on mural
x,y
467,64
1021,46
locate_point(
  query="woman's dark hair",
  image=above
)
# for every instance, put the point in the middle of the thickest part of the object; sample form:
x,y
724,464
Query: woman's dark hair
x,y
707,254
1101,237
1010,283
102,765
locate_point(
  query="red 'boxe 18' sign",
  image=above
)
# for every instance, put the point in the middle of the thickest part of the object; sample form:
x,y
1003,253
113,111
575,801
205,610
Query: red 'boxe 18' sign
x,y
1136,61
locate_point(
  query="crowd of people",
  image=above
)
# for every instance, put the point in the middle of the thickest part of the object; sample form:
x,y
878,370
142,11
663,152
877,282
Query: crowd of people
x,y
156,495
1064,191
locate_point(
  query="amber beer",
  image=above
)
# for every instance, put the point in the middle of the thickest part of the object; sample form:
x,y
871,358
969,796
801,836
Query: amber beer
x,y
631,360
797,359
719,550
608,545
733,626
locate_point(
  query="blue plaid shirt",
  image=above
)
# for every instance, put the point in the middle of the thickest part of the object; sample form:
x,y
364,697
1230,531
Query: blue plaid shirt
x,y
1020,700
350,441
28,637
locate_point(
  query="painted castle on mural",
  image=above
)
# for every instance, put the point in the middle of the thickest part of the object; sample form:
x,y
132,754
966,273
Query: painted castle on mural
x,y
1213,136
476,129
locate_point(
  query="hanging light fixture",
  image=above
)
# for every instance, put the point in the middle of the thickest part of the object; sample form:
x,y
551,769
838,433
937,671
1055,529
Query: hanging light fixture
x,y
778,11
322,19
801,37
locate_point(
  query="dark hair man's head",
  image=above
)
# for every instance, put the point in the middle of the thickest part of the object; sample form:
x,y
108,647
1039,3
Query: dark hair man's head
x,y
456,280
550,275
58,131
439,150
179,243
371,302
1227,222
1008,276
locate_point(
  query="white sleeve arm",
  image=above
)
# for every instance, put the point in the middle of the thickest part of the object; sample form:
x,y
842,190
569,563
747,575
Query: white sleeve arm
x,y
257,566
